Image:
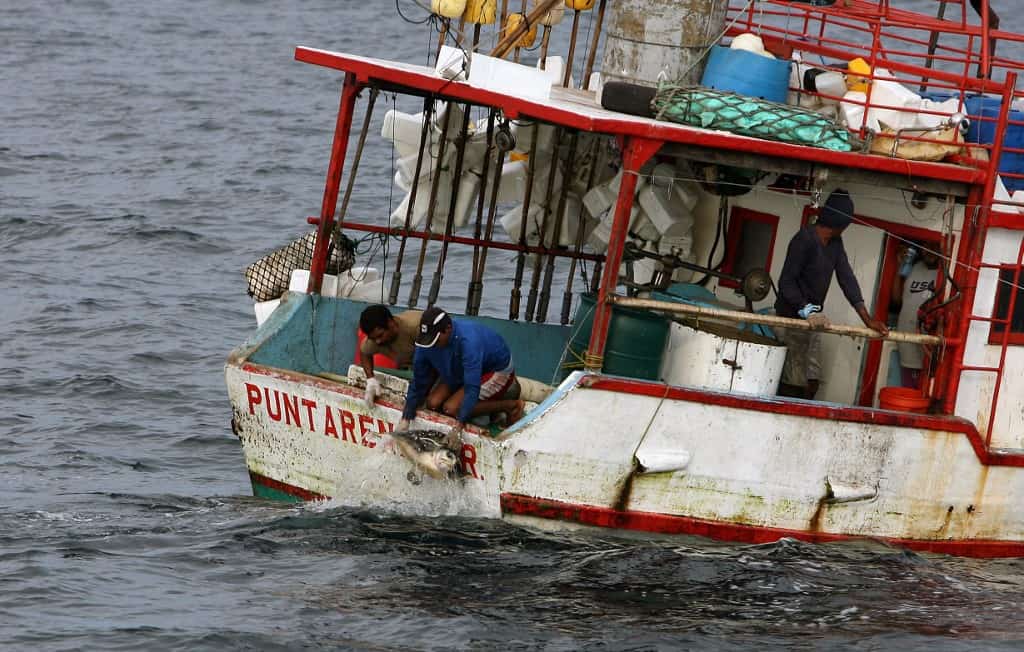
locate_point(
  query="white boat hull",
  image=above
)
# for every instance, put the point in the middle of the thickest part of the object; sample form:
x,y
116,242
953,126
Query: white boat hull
x,y
637,455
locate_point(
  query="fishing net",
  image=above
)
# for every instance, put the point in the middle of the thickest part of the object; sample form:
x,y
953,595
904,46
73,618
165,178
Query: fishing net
x,y
269,276
748,116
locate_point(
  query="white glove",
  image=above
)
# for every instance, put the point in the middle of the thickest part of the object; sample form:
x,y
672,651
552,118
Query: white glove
x,y
818,320
372,390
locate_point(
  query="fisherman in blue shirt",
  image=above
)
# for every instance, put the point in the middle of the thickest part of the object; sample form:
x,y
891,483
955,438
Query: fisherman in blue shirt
x,y
472,366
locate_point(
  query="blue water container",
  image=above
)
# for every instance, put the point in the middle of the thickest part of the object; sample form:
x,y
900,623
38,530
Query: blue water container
x,y
984,131
747,73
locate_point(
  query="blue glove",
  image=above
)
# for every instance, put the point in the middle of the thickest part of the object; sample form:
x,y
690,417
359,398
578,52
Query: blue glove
x,y
808,310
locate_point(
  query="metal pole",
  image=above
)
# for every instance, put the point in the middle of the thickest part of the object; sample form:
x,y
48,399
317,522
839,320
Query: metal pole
x,y
417,281
933,42
517,282
549,269
578,245
396,280
473,280
460,155
488,233
599,21
635,152
349,90
374,91
572,48
545,39
531,299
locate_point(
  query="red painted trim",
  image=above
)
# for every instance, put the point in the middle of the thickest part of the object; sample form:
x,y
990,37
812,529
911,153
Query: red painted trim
x,y
349,92
738,532
409,78
831,412
1004,220
738,217
635,152
284,487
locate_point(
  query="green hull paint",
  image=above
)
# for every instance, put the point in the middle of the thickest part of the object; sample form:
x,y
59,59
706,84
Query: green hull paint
x,y
261,491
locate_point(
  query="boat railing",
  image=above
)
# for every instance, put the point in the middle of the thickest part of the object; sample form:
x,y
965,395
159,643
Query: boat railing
x,y
950,62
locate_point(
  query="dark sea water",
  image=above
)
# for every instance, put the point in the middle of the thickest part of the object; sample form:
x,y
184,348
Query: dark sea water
x,y
148,152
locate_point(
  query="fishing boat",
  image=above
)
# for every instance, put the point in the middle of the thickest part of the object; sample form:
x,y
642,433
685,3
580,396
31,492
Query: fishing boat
x,y
652,202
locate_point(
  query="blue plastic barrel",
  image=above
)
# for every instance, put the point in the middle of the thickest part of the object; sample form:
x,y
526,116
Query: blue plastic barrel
x,y
984,131
746,73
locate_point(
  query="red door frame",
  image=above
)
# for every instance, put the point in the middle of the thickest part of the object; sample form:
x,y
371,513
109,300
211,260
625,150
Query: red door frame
x,y
737,217
890,266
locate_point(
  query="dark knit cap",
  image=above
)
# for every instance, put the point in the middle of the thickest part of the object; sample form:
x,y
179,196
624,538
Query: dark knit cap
x,y
837,211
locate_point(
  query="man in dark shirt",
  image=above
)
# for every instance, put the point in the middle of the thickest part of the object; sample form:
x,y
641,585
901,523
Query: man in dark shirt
x,y
814,253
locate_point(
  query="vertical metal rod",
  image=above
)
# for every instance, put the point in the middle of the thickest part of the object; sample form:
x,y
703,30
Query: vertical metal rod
x,y
476,38
488,234
595,278
598,22
396,280
545,39
417,281
349,91
480,212
515,56
440,39
933,42
374,92
549,269
572,48
517,282
531,299
460,156
578,245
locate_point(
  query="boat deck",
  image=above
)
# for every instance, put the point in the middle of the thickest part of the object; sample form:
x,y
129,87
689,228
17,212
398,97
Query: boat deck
x,y
579,110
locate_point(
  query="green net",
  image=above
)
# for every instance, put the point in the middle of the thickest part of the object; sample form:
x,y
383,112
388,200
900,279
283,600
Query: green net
x,y
748,116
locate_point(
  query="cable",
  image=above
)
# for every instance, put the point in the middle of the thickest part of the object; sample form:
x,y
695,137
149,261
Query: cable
x,y
401,15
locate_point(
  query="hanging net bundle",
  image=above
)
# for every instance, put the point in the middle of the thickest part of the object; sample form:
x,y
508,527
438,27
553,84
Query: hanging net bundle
x,y
269,276
708,108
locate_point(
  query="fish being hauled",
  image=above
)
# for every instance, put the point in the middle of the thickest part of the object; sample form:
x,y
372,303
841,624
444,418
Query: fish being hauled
x,y
426,449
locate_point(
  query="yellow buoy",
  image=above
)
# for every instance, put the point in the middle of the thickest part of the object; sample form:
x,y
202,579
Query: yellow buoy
x,y
855,76
553,16
526,40
579,5
480,12
448,8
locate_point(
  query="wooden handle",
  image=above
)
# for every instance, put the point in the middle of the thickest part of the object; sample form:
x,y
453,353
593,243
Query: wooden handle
x,y
769,320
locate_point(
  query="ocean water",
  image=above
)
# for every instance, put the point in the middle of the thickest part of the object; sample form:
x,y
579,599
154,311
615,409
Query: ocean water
x,y
148,152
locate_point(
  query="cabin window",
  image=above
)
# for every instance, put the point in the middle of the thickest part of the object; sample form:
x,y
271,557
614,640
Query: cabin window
x,y
749,243
1004,291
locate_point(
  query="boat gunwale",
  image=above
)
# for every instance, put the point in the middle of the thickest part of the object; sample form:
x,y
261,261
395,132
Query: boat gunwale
x,y
986,456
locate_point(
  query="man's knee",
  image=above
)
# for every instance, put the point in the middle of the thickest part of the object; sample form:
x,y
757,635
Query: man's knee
x,y
451,406
434,402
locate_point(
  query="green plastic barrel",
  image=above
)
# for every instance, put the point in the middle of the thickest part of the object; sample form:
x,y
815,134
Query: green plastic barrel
x,y
635,344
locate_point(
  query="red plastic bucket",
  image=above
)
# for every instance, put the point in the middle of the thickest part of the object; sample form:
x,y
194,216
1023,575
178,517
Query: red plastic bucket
x,y
903,399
